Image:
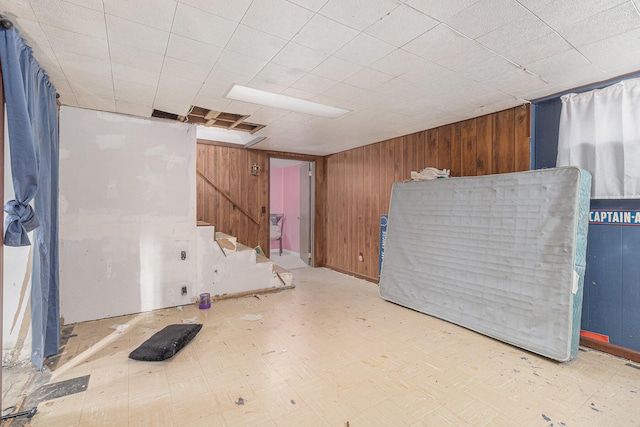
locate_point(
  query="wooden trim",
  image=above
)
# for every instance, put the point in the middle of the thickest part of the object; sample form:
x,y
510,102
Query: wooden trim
x,y
226,196
616,350
351,273
219,143
250,293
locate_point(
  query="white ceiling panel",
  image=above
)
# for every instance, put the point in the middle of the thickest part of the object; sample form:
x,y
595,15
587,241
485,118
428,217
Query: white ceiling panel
x,y
485,16
399,66
186,70
357,14
324,34
609,23
69,16
136,35
233,10
299,57
561,13
364,50
65,40
192,51
515,33
336,69
368,79
277,17
252,42
157,14
136,58
440,9
401,26
202,26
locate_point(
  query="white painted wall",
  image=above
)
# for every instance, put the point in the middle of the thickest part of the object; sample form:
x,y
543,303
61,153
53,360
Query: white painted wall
x,y
16,276
127,210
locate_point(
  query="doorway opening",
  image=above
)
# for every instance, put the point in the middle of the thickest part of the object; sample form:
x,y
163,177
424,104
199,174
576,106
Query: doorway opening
x,y
291,207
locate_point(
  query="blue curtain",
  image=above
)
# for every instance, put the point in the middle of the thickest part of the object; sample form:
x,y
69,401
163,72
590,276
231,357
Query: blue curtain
x,y
32,121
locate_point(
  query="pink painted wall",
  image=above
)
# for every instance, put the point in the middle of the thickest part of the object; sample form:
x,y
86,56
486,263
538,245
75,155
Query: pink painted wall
x,y
285,198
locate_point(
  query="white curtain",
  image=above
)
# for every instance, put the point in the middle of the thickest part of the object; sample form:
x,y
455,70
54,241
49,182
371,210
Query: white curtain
x,y
600,132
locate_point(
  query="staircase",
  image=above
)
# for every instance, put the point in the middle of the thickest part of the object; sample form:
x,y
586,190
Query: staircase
x,y
228,268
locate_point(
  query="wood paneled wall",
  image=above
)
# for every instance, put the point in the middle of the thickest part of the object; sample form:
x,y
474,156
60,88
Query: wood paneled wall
x,y
229,167
359,181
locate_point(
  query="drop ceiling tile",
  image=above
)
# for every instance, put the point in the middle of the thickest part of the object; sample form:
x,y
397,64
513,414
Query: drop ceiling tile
x,y
488,69
485,16
440,9
314,5
176,90
70,17
314,84
401,26
171,106
221,77
277,17
232,10
134,75
534,50
157,14
299,57
212,103
186,70
609,23
252,42
535,4
561,13
336,69
134,93
265,85
444,46
617,54
399,62
65,40
292,119
364,50
202,26
93,103
132,109
71,61
20,9
515,33
136,35
517,83
243,108
240,64
324,34
568,67
192,51
357,14
424,72
266,115
368,79
136,58
280,75
91,4
342,92
86,90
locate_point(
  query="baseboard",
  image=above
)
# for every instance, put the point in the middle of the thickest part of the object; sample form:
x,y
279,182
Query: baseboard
x,y
351,273
616,350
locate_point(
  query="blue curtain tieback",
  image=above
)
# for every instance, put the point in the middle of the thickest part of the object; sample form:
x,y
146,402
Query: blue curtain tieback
x,y
20,220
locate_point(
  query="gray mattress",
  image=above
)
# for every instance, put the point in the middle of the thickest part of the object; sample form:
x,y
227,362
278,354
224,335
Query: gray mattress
x,y
503,255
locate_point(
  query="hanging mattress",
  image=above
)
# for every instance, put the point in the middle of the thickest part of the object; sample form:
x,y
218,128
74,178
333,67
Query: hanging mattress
x,y
503,255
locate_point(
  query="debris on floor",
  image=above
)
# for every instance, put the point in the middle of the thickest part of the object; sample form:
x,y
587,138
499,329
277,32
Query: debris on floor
x,y
190,320
179,308
240,401
293,402
120,328
252,317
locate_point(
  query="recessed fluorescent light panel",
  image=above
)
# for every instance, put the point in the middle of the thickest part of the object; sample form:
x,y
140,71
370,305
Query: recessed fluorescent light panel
x,y
270,99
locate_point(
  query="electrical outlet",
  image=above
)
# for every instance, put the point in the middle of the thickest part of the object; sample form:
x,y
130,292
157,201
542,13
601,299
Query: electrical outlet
x,y
183,255
183,291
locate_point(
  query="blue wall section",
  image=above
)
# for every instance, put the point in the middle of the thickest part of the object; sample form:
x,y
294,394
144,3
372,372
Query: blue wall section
x,y
611,304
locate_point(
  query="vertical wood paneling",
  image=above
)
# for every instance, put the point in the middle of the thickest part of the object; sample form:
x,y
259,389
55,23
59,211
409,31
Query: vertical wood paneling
x,y
522,140
484,153
469,152
477,146
444,146
503,142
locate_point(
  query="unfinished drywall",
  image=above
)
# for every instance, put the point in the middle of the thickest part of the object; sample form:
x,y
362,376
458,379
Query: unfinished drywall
x,y
16,276
127,212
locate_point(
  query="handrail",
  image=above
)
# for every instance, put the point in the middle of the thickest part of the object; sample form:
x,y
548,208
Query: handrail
x,y
226,196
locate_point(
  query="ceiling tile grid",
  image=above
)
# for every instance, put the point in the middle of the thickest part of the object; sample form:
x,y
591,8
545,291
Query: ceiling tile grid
x,y
396,65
